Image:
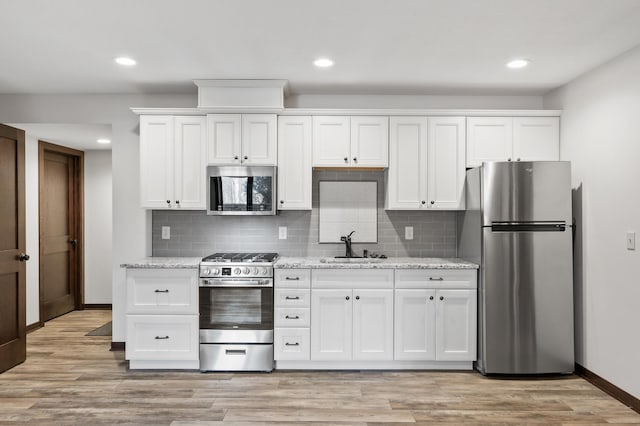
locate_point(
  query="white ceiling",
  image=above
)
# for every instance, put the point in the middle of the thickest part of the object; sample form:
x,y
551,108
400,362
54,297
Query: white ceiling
x,y
78,136
379,46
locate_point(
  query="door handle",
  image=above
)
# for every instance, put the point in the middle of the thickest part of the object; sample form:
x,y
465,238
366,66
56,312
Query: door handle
x,y
23,257
73,242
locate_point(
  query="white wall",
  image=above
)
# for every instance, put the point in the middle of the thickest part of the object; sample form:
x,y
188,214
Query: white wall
x,y
97,227
600,135
32,229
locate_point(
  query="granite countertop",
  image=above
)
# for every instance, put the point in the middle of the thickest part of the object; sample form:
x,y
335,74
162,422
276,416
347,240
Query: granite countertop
x,y
374,263
164,263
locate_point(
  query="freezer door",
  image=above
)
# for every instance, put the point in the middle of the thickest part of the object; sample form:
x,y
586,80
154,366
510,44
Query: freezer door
x,y
526,191
526,298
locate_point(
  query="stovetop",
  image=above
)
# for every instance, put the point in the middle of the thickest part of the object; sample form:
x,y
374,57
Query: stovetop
x,y
240,258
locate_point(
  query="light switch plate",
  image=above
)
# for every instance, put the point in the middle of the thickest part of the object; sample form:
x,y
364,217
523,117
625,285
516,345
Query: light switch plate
x,y
408,232
166,232
631,240
282,232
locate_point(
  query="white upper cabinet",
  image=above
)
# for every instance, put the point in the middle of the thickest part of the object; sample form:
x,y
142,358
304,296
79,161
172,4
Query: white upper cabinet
x,y
249,139
426,163
512,139
294,163
172,166
359,141
536,138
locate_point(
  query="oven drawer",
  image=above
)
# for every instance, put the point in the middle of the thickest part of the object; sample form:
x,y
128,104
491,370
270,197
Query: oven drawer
x,y
292,317
218,357
292,344
292,278
292,297
162,337
162,291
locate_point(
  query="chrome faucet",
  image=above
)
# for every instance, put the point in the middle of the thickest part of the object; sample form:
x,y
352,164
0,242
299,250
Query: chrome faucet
x,y
347,243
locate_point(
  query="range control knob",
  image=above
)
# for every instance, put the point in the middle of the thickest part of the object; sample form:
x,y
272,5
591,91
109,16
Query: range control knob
x,y
236,271
255,271
264,271
215,271
246,271
207,271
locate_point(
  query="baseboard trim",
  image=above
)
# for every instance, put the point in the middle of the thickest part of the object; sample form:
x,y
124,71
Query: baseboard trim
x,y
104,306
34,326
117,346
603,384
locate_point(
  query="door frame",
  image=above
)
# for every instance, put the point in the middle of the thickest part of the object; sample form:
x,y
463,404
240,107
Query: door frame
x,y
77,267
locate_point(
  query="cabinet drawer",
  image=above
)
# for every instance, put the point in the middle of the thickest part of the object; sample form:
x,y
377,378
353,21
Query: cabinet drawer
x,y
162,337
292,317
162,291
352,278
436,278
292,297
292,278
291,344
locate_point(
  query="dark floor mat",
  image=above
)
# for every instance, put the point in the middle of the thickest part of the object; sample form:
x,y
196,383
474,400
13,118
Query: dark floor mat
x,y
103,330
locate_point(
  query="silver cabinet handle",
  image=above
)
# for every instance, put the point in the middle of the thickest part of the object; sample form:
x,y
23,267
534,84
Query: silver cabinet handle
x,y
162,337
436,279
292,344
292,278
161,291
292,298
288,317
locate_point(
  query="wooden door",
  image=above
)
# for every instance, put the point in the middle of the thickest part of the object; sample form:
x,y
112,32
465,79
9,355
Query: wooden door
x,y
60,230
12,249
373,324
331,325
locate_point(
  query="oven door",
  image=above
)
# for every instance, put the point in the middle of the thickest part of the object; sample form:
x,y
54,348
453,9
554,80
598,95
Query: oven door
x,y
236,314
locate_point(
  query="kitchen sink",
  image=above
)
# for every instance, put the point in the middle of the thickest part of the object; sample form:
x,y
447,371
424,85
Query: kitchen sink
x,y
350,260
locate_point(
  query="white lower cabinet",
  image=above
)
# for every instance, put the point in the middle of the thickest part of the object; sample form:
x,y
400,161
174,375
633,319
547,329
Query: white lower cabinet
x,y
162,319
332,324
435,315
291,315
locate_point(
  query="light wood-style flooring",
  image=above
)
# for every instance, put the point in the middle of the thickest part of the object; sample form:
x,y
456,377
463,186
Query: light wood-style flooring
x,y
70,378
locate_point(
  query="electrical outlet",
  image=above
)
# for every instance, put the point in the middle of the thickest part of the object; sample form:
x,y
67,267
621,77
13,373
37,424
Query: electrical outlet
x,y
282,232
631,240
166,232
408,232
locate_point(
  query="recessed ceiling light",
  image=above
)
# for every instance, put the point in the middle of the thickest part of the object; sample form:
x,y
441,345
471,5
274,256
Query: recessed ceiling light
x,y
103,141
518,63
123,60
323,62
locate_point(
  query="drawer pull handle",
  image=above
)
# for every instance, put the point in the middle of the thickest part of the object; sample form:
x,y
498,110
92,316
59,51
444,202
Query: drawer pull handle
x,y
296,317
235,351
292,298
162,337
292,278
436,279
292,344
162,291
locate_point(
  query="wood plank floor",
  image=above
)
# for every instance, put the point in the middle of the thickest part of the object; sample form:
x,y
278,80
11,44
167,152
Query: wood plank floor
x,y
70,378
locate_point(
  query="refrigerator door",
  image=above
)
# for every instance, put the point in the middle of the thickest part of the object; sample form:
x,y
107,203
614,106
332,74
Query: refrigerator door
x,y
526,298
526,191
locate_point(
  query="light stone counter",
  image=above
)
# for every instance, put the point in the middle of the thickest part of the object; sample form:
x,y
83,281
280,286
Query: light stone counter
x,y
164,263
373,263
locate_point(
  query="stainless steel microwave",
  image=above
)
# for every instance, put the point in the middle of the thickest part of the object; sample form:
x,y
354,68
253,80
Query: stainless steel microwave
x,y
241,190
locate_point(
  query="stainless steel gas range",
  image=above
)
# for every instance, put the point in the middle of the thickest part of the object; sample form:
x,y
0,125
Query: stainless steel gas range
x,y
236,312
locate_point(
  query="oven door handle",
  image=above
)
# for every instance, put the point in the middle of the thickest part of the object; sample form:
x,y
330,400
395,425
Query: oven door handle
x,y
216,282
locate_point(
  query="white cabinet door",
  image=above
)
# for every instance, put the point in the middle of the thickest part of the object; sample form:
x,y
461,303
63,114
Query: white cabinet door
x,y
372,324
446,166
489,139
162,291
190,162
536,138
331,141
331,325
407,176
223,135
294,163
156,161
415,325
456,325
369,141
162,338
259,139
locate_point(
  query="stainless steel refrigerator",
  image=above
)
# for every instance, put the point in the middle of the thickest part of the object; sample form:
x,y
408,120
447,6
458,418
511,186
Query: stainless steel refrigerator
x,y
518,227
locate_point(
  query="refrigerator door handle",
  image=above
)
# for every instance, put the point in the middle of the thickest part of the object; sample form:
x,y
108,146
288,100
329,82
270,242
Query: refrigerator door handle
x,y
528,227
